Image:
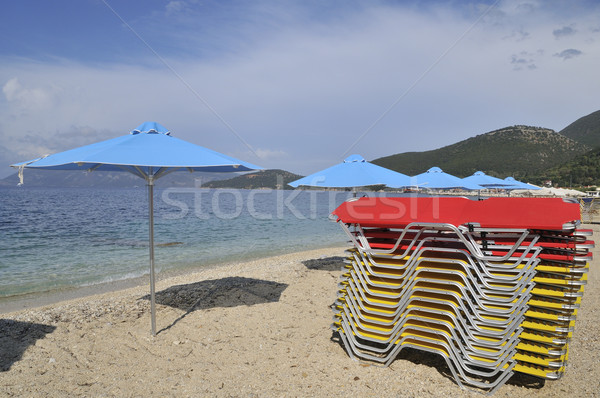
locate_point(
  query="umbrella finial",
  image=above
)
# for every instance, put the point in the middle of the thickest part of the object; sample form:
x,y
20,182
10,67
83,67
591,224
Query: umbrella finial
x,y
151,128
354,158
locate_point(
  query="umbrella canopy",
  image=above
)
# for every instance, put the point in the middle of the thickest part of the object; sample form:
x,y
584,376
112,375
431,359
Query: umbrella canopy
x,y
149,152
484,180
354,171
514,184
435,178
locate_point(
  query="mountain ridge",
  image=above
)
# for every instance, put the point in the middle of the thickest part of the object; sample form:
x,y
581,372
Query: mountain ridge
x,y
586,130
261,179
519,151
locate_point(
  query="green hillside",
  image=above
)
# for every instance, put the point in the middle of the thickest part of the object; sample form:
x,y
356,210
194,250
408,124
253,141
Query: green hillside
x,y
584,170
585,130
274,179
519,151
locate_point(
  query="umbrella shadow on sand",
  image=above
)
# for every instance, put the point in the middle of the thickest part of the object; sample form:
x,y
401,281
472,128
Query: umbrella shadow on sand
x,y
16,337
334,263
225,292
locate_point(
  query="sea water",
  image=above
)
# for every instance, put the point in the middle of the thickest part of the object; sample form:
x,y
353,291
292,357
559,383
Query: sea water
x,y
56,239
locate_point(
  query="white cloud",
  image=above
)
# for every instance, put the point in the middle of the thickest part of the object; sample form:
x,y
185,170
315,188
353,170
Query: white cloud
x,y
26,99
174,7
270,154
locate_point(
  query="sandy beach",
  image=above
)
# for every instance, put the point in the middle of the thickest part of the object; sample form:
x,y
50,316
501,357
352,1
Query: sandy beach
x,y
254,329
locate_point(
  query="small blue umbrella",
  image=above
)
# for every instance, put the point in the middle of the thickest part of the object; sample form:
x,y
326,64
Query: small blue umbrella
x,y
149,152
515,184
435,178
354,171
486,181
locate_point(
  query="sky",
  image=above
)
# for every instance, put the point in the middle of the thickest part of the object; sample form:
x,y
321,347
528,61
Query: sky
x,y
293,84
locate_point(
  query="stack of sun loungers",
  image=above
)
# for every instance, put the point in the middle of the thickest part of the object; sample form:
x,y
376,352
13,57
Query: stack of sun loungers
x,y
493,286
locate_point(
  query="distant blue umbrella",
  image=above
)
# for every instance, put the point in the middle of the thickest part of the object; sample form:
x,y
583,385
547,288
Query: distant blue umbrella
x,y
149,152
486,181
354,171
435,178
515,184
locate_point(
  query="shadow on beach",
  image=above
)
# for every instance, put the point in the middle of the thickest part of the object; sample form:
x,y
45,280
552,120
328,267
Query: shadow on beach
x,y
218,293
418,357
439,363
334,263
16,337
527,381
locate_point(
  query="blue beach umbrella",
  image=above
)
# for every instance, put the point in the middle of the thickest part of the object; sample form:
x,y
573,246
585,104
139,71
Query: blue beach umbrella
x,y
435,178
149,152
515,184
354,171
486,181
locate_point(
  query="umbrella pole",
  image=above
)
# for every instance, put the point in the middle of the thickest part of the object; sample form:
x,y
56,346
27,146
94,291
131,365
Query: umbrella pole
x,y
151,236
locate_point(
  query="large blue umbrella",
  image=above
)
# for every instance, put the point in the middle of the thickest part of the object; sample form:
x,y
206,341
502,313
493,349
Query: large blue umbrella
x,y
435,178
515,184
486,181
149,152
354,171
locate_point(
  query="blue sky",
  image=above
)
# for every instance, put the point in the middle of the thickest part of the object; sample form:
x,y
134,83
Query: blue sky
x,y
297,85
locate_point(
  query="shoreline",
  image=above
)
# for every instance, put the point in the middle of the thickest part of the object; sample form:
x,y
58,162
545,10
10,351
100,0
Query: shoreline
x,y
29,301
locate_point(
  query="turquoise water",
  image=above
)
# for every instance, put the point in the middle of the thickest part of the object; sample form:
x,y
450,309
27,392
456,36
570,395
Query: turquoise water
x,y
53,239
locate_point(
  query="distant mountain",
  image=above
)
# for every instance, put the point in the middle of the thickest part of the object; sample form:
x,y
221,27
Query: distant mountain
x,y
585,130
103,179
519,151
274,179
